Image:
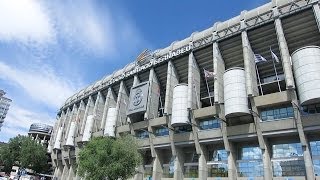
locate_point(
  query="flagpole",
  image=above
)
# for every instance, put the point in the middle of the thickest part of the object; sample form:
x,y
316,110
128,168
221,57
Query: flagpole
x,y
275,70
208,89
258,76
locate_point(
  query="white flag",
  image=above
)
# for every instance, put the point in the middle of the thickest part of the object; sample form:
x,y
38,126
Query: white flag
x,y
258,58
208,74
274,56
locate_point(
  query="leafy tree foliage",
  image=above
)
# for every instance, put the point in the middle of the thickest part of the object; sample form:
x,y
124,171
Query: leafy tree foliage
x,y
108,157
24,152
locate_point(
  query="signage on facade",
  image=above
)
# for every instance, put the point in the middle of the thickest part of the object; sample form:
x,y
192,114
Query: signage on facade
x,y
150,61
138,98
41,128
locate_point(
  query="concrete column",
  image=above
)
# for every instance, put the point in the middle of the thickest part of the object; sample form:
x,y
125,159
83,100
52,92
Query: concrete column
x,y
249,66
98,112
121,106
193,83
316,11
178,164
153,96
86,113
109,102
71,174
157,167
136,81
303,139
71,118
203,168
78,117
232,166
284,51
172,80
228,146
267,165
262,143
218,68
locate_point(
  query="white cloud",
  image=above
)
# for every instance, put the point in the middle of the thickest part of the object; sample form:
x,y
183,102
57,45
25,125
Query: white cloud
x,y
81,26
42,84
18,121
24,21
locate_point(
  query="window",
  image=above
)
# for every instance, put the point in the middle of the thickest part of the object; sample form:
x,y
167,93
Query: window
x,y
311,109
190,171
287,160
182,129
161,131
276,113
250,163
168,169
218,163
142,134
315,152
147,171
209,124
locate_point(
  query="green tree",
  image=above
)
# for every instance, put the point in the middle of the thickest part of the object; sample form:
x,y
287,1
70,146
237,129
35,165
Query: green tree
x,y
24,152
108,157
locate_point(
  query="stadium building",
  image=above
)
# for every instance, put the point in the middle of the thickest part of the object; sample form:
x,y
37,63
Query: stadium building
x,y
4,107
239,100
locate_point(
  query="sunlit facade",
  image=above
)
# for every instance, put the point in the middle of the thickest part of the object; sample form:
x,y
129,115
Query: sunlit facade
x,y
253,118
4,107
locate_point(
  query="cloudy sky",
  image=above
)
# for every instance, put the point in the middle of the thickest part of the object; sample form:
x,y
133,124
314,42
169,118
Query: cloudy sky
x,y
49,50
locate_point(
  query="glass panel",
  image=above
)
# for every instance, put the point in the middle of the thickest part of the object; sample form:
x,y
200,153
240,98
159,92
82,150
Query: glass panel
x,y
147,172
251,153
315,148
289,168
286,150
252,168
218,170
190,171
316,165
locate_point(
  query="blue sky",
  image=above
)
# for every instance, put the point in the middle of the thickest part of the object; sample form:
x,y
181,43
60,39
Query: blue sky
x,y
49,50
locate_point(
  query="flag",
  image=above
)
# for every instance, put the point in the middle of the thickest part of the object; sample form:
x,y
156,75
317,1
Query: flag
x,y
208,74
258,58
274,56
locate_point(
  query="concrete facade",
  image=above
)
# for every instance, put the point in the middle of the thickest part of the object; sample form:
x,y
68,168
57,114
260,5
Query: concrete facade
x,y
4,106
279,139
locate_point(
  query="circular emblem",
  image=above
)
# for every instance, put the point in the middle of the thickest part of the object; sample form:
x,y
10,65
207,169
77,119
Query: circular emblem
x,y
137,98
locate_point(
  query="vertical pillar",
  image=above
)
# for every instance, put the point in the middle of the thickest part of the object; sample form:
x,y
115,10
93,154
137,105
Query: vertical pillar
x,y
172,80
228,146
79,117
86,113
249,65
303,139
218,68
69,120
203,168
193,83
121,107
284,51
157,166
262,143
153,96
97,111
178,164
109,102
316,11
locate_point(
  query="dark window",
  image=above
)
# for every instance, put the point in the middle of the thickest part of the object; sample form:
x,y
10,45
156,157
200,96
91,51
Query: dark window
x,y
182,129
161,131
276,113
209,124
141,134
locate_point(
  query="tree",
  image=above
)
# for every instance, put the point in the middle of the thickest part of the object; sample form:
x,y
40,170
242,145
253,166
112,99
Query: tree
x,y
24,152
109,157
